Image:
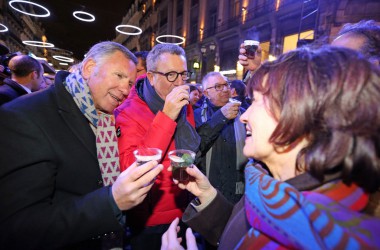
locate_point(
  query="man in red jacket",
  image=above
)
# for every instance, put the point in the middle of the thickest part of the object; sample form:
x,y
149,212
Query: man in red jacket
x,y
157,114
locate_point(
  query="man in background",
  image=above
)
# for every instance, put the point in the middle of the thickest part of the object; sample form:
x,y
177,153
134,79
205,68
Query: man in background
x,y
363,36
26,77
224,161
141,63
238,93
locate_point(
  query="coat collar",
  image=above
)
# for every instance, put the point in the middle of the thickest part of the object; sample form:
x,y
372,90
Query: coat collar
x,y
15,86
72,116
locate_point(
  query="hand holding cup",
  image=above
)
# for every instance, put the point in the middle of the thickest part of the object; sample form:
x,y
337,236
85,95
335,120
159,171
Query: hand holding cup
x,y
246,60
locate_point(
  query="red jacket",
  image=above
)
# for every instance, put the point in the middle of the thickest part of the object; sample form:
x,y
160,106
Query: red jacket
x,y
139,127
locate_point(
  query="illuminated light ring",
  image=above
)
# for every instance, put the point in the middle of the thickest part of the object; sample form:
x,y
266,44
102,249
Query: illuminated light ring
x,y
38,44
173,36
27,13
90,19
63,58
5,28
139,31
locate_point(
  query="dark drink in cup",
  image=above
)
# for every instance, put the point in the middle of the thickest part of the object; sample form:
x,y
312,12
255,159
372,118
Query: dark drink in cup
x,y
251,48
181,159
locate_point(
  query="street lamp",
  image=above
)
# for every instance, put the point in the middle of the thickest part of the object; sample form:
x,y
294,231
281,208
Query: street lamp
x,y
196,65
203,50
212,47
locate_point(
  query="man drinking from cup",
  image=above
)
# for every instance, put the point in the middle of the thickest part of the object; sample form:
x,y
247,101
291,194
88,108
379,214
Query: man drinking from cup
x,y
157,114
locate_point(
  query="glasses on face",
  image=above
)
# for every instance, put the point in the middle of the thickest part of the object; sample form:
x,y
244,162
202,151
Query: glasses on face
x,y
173,75
220,87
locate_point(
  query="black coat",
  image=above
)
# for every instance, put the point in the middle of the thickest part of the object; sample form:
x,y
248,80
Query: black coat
x,y
51,187
10,90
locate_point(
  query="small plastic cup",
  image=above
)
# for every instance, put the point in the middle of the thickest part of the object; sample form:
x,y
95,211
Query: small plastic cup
x,y
180,159
143,155
251,48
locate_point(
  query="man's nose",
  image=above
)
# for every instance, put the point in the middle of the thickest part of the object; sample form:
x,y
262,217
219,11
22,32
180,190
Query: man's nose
x,y
179,81
125,89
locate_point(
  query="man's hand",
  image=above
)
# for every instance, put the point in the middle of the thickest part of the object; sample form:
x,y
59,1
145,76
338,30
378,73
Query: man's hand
x,y
175,100
132,185
249,64
230,110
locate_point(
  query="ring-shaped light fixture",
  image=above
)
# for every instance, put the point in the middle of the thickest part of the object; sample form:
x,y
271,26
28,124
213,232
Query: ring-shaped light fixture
x,y
90,18
4,28
173,36
139,31
28,13
38,44
63,58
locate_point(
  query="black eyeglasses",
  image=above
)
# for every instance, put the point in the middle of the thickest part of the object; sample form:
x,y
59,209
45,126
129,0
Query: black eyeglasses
x,y
173,75
220,87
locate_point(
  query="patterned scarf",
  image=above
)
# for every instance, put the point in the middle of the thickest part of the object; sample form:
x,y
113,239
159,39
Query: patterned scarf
x,y
102,124
326,218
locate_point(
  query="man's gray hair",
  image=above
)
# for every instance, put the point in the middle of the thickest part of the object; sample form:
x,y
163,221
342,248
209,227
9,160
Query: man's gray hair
x,y
102,50
158,50
211,74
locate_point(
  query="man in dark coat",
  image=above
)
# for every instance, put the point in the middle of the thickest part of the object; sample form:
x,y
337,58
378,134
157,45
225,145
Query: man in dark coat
x,y
224,162
60,186
26,77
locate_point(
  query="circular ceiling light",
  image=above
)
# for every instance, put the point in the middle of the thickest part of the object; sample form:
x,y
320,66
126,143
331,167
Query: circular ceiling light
x,y
173,36
139,31
63,58
28,13
4,28
38,44
90,17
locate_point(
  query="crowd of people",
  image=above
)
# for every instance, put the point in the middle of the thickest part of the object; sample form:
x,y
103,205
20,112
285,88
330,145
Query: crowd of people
x,y
288,158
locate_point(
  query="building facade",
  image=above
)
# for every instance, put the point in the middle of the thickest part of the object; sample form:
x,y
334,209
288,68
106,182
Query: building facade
x,y
29,28
214,29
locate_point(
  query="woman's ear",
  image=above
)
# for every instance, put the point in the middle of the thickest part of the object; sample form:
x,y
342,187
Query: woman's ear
x,y
88,68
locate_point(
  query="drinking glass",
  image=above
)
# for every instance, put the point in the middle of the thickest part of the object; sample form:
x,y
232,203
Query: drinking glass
x,y
143,155
250,48
180,159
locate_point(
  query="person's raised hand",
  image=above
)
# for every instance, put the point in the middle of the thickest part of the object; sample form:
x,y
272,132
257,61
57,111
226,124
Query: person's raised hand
x,y
247,63
175,100
170,241
230,110
132,185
